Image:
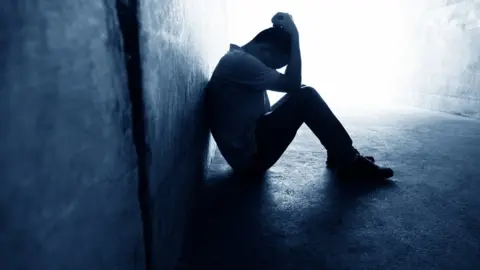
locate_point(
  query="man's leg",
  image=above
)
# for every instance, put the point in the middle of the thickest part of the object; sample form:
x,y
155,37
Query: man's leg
x,y
276,130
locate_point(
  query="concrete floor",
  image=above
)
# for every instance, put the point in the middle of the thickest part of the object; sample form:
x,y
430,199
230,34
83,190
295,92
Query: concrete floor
x,y
299,217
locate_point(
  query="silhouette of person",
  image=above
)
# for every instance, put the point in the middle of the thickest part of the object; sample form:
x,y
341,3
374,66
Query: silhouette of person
x,y
252,135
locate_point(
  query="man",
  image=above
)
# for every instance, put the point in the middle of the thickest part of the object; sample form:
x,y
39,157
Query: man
x,y
249,133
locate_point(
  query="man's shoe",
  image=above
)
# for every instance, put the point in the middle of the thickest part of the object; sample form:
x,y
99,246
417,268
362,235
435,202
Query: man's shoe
x,y
364,168
333,163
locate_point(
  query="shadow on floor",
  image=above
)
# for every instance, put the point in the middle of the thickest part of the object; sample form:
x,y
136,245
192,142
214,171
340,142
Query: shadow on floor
x,y
234,227
298,217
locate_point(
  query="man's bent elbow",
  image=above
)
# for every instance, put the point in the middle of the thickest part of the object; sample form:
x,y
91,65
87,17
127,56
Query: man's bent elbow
x,y
294,85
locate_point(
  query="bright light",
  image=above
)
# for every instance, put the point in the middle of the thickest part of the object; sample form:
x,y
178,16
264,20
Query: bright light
x,y
352,50
367,52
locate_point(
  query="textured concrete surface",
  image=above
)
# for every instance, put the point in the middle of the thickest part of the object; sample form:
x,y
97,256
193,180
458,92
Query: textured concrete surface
x,y
75,194
300,217
68,195
181,42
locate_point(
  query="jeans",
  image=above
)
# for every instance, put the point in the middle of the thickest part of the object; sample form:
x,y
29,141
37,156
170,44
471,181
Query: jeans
x,y
276,129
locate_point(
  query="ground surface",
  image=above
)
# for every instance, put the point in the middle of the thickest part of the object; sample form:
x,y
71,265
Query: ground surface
x,y
300,217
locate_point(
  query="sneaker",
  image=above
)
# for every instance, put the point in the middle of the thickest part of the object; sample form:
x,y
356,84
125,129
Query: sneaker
x,y
364,168
332,163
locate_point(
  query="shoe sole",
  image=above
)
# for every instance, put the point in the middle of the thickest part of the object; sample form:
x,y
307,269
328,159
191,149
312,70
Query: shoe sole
x,y
374,177
332,166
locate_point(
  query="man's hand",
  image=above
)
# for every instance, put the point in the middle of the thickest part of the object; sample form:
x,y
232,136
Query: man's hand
x,y
285,20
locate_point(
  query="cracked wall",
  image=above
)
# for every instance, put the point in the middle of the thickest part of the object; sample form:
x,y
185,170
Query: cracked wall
x,y
84,186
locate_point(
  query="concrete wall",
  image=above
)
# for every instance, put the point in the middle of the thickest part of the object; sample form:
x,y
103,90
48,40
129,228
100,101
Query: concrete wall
x,y
445,56
73,112
181,42
68,190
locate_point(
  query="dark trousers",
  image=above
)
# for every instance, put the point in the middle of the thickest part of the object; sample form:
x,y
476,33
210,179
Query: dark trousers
x,y
276,129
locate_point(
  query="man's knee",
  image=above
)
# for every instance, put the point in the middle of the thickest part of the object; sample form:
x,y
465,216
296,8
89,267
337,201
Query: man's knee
x,y
306,92
308,88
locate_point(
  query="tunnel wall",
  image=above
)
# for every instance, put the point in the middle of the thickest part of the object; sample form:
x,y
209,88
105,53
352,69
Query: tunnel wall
x,y
102,148
445,59
68,195
181,42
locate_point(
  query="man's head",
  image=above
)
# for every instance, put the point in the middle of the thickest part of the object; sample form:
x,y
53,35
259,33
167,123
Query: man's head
x,y
271,46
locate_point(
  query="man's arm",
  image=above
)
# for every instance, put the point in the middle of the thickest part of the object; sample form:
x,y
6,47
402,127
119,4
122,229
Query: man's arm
x,y
292,79
244,69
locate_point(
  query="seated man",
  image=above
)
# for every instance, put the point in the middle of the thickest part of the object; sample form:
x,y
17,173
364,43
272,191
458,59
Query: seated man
x,y
249,133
